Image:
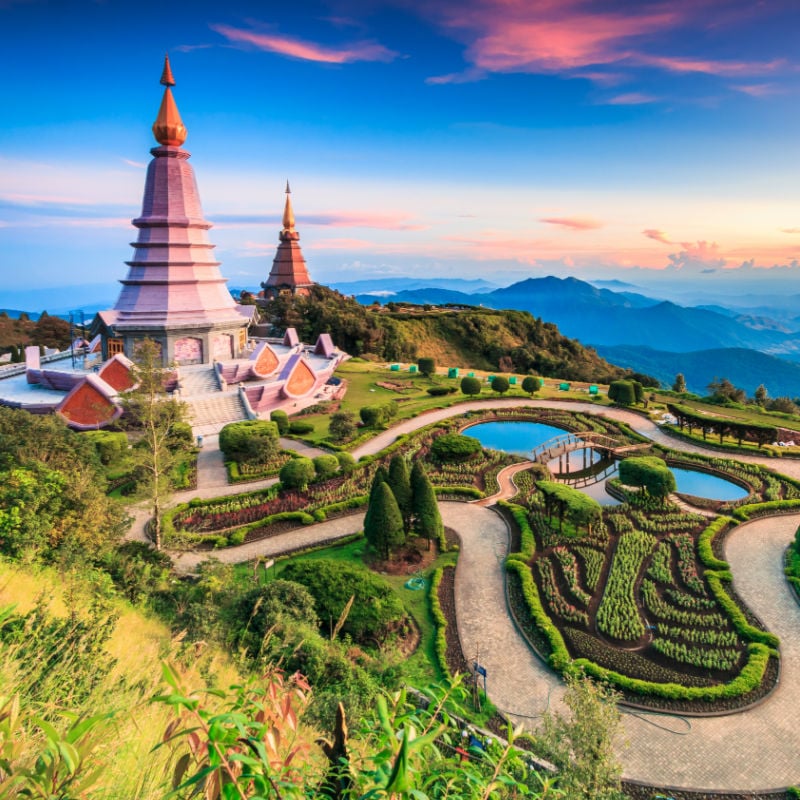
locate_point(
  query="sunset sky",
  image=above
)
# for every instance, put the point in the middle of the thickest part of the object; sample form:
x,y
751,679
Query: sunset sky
x,y
466,138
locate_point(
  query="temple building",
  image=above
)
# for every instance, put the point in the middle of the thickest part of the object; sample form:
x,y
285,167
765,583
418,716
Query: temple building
x,y
174,292
289,273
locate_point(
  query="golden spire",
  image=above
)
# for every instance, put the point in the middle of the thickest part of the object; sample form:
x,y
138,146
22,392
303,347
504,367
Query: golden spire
x,y
168,127
288,213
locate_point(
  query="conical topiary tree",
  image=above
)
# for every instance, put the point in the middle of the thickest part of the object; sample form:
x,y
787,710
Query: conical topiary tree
x,y
381,476
400,484
383,528
425,508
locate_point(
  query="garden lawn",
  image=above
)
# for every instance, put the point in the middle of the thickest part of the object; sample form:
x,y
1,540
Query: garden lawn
x,y
420,667
362,390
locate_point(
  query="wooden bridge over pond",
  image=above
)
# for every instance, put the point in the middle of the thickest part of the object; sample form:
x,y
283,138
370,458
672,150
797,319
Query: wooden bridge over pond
x,y
561,446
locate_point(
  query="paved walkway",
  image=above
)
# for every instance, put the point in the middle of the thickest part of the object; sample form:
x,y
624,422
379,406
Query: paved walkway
x,y
748,751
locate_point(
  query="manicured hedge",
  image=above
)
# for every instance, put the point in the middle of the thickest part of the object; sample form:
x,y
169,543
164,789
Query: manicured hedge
x,y
746,681
440,643
527,541
300,427
459,491
735,613
752,510
706,540
559,657
721,426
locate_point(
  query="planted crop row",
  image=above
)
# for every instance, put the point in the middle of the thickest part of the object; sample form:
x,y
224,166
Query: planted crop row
x,y
661,564
687,564
700,636
618,615
708,658
690,601
558,605
569,569
663,610
593,561
671,522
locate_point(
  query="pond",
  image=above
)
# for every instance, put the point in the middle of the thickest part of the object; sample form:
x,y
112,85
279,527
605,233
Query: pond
x,y
521,437
513,436
701,484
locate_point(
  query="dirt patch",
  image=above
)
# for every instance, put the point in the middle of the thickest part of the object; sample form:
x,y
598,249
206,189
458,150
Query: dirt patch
x,y
413,557
447,600
397,386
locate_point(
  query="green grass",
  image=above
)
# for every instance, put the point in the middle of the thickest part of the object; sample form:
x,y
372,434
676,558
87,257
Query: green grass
x,y
363,376
420,667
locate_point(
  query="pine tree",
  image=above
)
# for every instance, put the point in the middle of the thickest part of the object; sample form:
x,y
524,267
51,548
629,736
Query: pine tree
x,y
680,383
428,520
384,528
400,484
380,477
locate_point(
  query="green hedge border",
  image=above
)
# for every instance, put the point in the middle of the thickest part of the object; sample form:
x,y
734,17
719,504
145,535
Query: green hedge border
x,y
440,621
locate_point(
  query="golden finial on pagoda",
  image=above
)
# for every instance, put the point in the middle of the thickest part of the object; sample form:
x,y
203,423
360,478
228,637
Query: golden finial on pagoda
x,y
288,213
168,127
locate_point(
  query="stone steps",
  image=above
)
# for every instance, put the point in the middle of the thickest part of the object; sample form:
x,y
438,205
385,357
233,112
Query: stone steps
x,y
197,382
209,414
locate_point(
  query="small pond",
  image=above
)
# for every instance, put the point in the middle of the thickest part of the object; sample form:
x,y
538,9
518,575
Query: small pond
x,y
520,437
700,484
513,436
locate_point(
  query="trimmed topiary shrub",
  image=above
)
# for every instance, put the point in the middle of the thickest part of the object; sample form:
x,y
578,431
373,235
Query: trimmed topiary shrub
x,y
649,472
500,384
455,447
301,427
530,384
254,440
297,473
281,419
346,463
427,366
470,386
326,466
440,391
371,416
622,392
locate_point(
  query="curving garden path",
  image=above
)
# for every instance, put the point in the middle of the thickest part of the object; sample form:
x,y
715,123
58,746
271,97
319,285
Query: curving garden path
x,y
752,750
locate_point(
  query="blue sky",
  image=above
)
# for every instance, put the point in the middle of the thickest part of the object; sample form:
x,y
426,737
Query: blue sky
x,y
650,141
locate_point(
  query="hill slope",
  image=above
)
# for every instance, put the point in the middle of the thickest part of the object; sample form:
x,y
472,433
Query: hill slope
x,y
508,341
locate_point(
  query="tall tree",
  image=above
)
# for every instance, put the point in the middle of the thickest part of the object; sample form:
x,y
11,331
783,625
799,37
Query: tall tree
x,y
680,383
384,532
381,476
761,395
156,416
427,519
400,484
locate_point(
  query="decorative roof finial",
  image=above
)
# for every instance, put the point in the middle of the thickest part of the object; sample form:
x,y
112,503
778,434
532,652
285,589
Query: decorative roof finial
x,y
288,212
169,128
166,75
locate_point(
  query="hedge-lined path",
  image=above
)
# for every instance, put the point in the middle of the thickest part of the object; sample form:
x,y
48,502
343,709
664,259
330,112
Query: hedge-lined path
x,y
505,480
755,749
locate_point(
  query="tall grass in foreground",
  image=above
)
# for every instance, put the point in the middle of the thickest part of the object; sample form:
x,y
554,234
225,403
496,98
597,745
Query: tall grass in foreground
x,y
67,650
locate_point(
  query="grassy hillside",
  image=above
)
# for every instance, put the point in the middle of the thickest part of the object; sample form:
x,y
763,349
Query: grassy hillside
x,y
507,341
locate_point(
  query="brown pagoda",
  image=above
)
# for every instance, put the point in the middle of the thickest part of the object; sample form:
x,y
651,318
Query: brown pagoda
x,y
289,273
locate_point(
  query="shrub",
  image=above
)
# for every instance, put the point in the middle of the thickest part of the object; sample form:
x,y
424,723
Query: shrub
x,y
326,466
622,392
371,416
470,386
376,612
300,427
281,419
297,473
530,385
342,426
427,366
440,391
439,619
455,447
649,472
500,384
109,446
346,463
251,440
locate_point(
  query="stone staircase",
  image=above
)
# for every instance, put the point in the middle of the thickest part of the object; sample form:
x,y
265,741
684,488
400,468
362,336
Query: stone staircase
x,y
211,412
197,381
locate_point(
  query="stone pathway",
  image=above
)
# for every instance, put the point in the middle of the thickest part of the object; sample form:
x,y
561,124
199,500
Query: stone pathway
x,y
505,480
753,750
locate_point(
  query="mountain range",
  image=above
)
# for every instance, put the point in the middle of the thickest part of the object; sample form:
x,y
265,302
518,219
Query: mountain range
x,y
650,335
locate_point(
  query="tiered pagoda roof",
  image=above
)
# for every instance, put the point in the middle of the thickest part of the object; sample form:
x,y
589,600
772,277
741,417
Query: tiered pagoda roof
x,y
173,281
289,272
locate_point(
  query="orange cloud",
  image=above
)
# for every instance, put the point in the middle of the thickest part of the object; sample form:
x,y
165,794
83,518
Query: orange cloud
x,y
575,223
657,235
790,230
307,51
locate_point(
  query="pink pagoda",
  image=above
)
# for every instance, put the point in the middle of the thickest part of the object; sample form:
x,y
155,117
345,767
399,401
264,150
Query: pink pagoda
x,y
174,292
289,273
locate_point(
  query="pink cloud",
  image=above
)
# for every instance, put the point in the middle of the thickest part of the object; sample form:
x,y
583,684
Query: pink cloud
x,y
358,219
575,223
759,89
657,235
576,36
631,99
342,243
307,51
137,164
